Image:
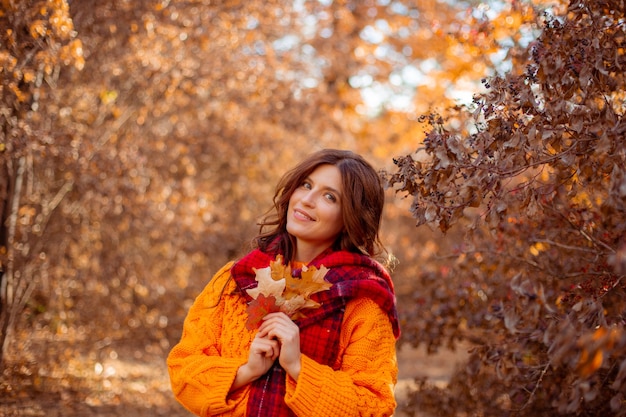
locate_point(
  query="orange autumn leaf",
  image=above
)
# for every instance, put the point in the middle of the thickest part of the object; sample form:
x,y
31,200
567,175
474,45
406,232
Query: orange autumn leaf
x,y
311,282
589,362
294,304
279,270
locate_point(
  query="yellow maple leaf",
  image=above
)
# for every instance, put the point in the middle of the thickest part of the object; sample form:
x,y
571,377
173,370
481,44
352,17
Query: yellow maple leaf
x,y
267,285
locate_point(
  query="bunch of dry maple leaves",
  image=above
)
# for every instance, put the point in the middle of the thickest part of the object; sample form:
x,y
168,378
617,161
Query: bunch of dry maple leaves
x,y
279,290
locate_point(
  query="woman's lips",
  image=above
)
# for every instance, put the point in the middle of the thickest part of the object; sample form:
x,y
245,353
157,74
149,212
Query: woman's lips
x,y
302,215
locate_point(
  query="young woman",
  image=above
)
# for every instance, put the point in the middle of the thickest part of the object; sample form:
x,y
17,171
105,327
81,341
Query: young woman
x,y
336,357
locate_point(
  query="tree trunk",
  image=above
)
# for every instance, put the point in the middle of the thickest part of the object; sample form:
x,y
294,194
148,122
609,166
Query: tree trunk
x,y
10,190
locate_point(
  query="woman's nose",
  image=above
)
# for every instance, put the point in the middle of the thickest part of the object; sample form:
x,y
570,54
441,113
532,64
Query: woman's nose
x,y
308,198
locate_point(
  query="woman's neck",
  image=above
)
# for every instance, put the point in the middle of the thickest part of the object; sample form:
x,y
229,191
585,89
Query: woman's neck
x,y
306,254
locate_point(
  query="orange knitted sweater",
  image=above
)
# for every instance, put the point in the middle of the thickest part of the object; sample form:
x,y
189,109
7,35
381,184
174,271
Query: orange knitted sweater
x,y
215,343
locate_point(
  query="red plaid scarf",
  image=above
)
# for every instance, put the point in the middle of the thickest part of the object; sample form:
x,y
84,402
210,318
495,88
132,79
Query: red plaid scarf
x,y
353,276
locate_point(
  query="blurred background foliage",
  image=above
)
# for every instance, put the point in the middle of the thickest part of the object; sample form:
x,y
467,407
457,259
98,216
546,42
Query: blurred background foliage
x,y
141,141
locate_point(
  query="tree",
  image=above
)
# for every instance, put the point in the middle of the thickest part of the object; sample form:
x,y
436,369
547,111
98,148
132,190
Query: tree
x,y
537,177
40,41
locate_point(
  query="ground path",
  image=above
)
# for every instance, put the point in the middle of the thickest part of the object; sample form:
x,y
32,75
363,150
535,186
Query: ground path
x,y
120,388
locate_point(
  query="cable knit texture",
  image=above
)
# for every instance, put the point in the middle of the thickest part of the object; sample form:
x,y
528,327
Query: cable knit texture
x,y
215,343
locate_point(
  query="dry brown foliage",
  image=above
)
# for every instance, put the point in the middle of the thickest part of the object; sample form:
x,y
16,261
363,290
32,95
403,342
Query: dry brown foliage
x,y
536,178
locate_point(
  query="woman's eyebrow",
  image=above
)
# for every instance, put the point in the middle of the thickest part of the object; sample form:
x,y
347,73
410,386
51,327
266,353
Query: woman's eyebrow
x,y
333,190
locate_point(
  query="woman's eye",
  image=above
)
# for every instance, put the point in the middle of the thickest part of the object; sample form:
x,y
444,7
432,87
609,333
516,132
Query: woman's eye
x,y
306,185
330,197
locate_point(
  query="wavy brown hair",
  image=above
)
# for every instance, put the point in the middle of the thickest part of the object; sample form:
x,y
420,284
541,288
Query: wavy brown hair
x,y
362,205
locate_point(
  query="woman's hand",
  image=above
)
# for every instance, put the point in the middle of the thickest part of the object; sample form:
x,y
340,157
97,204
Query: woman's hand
x,y
263,353
278,326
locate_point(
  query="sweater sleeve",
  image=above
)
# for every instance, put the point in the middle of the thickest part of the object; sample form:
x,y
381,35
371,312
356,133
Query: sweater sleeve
x,y
200,377
364,384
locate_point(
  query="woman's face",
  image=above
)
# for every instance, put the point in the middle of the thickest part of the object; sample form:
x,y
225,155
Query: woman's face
x,y
314,214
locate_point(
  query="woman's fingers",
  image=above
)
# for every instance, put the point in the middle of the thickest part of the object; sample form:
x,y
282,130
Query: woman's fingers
x,y
263,353
280,327
265,346
275,321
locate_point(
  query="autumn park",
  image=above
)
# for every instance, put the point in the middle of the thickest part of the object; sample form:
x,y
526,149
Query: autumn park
x,y
141,141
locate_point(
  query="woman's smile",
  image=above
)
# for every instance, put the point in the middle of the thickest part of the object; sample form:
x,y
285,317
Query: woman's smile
x,y
302,215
